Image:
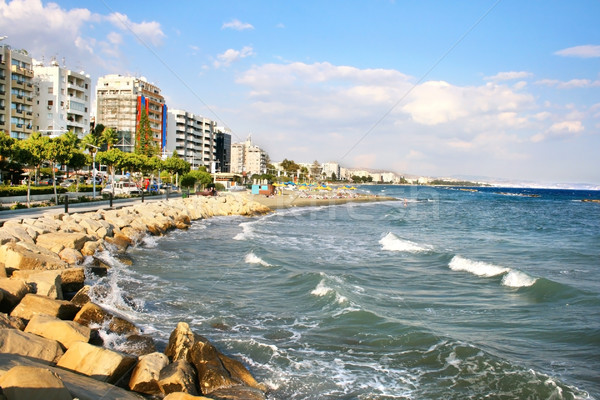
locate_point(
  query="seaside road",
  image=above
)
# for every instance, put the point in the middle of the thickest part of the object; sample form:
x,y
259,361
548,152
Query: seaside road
x,y
74,208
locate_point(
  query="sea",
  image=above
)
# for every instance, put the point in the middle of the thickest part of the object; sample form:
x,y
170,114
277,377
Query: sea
x,y
443,293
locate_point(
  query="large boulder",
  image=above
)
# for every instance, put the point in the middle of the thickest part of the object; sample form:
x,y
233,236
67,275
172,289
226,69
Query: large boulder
x,y
238,371
91,247
211,372
184,396
17,231
33,383
92,313
13,341
57,241
73,279
13,290
139,345
80,386
8,322
145,376
101,364
65,332
238,393
71,256
24,255
6,237
82,296
180,342
46,283
180,376
33,304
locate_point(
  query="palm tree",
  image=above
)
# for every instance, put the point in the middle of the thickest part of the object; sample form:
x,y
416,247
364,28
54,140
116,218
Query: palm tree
x,y
109,136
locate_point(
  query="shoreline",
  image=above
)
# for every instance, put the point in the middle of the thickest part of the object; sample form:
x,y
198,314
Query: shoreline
x,y
294,199
42,258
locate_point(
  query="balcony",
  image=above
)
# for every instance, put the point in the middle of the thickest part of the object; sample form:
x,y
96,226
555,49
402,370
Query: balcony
x,y
27,72
18,84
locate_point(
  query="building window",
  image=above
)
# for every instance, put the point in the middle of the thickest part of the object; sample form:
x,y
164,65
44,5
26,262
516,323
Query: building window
x,y
50,90
50,102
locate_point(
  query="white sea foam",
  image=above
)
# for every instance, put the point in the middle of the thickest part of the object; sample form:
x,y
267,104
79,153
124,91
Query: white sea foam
x,y
247,230
252,258
518,279
478,268
323,290
511,278
391,242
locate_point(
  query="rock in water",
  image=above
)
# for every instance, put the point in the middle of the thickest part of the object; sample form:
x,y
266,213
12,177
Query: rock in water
x,y
179,376
145,376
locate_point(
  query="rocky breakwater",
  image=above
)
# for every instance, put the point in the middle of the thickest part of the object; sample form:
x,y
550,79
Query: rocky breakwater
x,y
50,341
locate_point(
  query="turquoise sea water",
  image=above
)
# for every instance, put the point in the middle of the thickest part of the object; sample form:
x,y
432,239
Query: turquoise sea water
x,y
450,294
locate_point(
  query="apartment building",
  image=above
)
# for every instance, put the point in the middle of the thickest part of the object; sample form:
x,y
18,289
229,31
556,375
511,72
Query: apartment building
x,y
119,103
223,150
63,100
16,92
248,158
193,137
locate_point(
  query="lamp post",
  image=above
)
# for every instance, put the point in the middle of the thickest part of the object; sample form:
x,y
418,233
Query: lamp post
x,y
96,148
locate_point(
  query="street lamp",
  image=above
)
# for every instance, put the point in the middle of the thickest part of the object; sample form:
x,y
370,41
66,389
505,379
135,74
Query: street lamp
x,y
94,167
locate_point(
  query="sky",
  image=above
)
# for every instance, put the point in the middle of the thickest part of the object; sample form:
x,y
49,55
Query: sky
x,y
500,89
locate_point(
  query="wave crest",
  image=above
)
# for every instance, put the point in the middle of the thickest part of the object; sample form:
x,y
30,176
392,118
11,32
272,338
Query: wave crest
x,y
252,258
391,242
512,278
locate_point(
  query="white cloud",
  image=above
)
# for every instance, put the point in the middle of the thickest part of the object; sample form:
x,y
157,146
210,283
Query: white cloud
x,y
571,84
560,130
144,31
47,30
230,56
237,25
509,76
585,51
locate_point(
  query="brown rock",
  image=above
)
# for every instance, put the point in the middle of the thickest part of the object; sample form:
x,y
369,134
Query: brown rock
x,y
179,376
56,241
6,237
101,364
23,255
27,344
33,304
46,283
93,313
71,256
8,322
238,393
17,231
239,372
33,383
139,345
80,386
82,296
185,396
13,290
121,242
90,248
144,378
73,279
180,342
212,375
65,332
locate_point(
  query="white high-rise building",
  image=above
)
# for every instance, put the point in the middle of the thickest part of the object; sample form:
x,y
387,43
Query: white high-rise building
x,y
63,99
193,137
248,158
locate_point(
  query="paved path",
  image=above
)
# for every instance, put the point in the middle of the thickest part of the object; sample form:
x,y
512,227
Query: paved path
x,y
37,212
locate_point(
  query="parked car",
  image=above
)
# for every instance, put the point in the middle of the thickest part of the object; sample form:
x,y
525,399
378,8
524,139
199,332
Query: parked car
x,y
120,188
69,182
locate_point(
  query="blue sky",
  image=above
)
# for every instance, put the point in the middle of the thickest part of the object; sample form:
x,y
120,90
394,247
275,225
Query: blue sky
x,y
502,89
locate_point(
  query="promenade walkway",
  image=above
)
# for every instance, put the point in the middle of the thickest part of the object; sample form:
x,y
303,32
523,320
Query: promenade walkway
x,y
74,208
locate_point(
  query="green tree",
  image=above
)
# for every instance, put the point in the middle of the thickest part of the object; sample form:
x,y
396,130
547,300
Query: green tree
x,y
195,178
30,152
289,166
113,159
315,169
176,166
58,151
6,151
144,142
109,137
